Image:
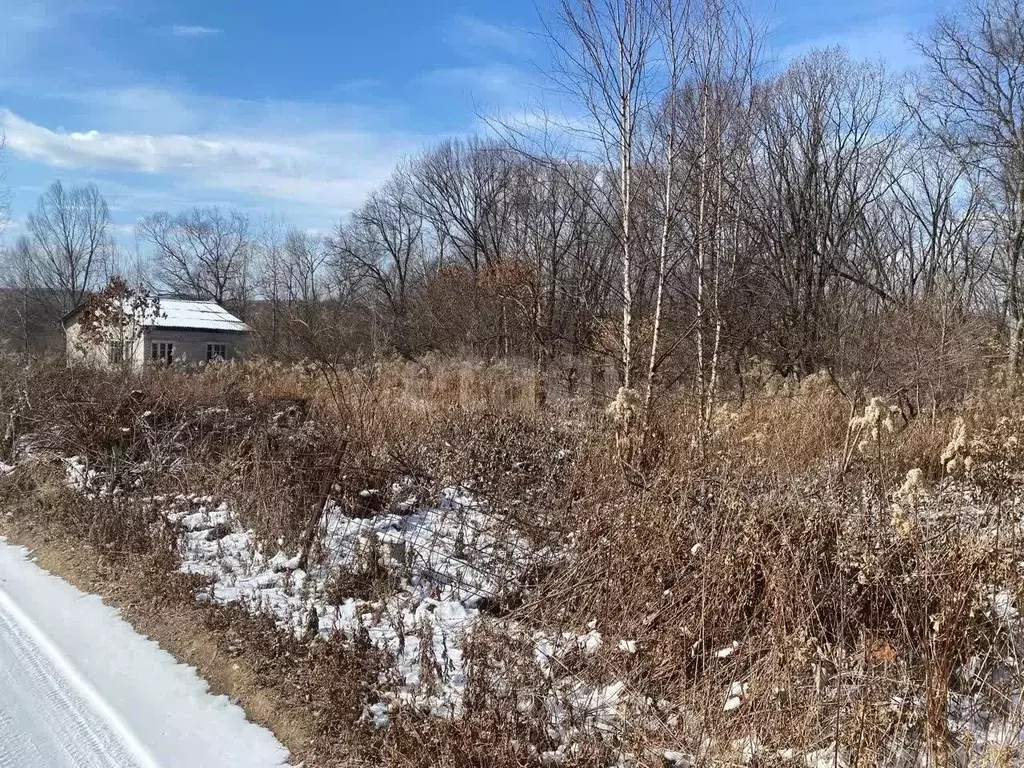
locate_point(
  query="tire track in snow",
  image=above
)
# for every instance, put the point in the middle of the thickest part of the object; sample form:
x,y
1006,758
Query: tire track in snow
x,y
49,714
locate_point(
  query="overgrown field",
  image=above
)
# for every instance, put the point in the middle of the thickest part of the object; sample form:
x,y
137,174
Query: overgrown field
x,y
435,566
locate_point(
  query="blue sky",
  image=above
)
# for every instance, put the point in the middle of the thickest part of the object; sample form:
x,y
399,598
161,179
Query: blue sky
x,y
297,108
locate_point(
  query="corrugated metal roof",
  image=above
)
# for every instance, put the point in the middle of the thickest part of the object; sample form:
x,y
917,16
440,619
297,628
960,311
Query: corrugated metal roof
x,y
201,315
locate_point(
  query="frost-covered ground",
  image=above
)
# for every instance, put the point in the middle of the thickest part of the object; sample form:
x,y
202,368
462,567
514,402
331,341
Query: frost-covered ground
x,y
446,560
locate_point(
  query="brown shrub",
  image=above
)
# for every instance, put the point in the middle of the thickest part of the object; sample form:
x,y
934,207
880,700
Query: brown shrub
x,y
775,558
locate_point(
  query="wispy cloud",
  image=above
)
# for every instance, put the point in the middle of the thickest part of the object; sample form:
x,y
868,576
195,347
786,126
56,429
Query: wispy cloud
x,y
885,39
330,169
492,65
493,82
476,33
191,30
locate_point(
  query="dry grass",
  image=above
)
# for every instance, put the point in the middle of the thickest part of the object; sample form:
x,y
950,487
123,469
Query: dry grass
x,y
784,541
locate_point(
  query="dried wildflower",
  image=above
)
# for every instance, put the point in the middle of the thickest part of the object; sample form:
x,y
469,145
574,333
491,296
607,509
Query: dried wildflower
x,y
905,500
869,425
913,485
955,454
624,407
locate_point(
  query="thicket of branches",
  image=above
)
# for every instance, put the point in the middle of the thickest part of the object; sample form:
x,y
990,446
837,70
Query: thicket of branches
x,y
704,216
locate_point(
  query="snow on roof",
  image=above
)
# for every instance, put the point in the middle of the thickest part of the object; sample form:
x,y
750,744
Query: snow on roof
x,y
202,315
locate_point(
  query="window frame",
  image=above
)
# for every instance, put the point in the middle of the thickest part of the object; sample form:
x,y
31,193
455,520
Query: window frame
x,y
117,352
161,352
211,355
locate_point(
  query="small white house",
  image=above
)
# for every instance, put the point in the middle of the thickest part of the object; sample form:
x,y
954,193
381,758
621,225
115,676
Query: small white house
x,y
167,331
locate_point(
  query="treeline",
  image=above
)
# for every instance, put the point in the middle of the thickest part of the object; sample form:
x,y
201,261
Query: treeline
x,y
704,214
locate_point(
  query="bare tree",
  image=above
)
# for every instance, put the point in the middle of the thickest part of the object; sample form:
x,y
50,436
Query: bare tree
x,y
462,190
716,106
606,50
67,249
269,272
971,100
466,191
382,244
203,252
926,240
825,139
557,252
304,260
673,29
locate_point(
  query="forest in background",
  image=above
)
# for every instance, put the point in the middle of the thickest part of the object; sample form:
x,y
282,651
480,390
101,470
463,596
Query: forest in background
x,y
704,218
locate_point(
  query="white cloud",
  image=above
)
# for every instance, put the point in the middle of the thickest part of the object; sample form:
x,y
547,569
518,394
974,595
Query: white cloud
x,y
476,33
137,152
885,39
505,85
332,169
190,30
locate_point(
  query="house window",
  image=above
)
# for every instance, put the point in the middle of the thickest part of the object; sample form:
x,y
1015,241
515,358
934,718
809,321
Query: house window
x,y
216,352
162,352
115,352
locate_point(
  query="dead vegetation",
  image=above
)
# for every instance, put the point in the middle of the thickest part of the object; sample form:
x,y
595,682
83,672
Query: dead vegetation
x,y
830,576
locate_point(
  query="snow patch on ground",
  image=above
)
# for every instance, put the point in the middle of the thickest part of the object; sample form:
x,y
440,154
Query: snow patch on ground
x,y
446,560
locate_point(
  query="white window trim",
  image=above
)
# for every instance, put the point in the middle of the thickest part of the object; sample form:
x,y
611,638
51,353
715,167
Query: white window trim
x,y
123,345
163,359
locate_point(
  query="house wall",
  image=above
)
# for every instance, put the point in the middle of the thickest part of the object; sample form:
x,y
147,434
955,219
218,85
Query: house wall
x,y
190,345
92,352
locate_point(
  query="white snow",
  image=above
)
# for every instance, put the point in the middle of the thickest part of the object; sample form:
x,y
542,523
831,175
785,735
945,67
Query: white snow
x,y
78,687
445,559
729,650
204,315
734,698
677,758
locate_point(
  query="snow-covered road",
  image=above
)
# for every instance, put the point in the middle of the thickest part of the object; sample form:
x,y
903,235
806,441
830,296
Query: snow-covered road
x,y
80,689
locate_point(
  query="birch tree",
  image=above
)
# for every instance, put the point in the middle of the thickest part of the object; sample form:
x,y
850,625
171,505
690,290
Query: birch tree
x,y
607,50
672,30
718,152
